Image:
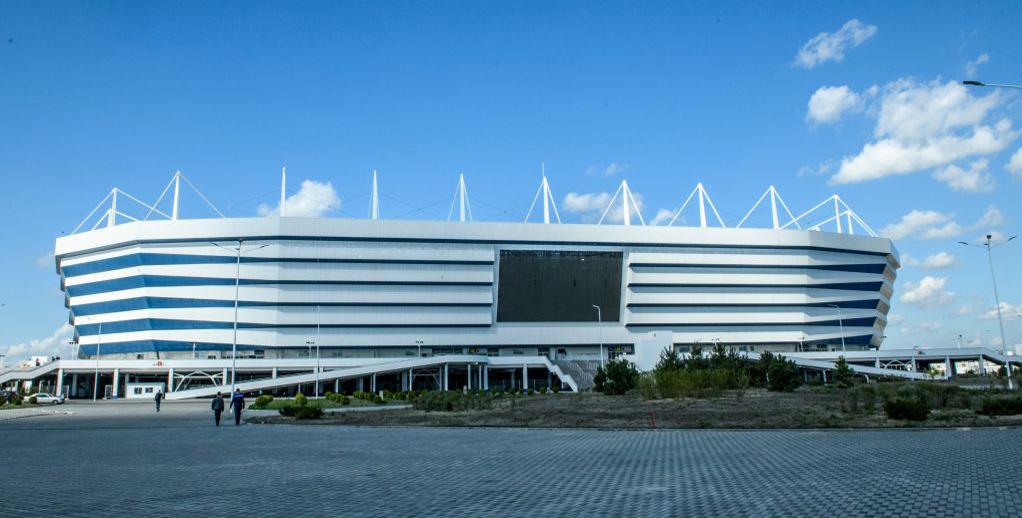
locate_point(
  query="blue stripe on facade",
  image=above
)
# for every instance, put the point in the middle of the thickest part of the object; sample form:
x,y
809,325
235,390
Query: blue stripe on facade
x,y
877,268
168,324
855,304
144,281
115,306
854,286
154,259
848,322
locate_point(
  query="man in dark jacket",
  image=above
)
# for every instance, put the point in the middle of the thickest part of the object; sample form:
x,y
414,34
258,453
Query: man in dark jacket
x,y
237,403
218,407
158,398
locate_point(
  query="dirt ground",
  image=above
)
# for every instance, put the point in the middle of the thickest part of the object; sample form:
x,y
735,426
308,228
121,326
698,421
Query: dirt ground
x,y
804,408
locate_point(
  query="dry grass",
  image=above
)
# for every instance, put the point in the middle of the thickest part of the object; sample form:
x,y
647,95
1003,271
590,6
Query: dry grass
x,y
804,408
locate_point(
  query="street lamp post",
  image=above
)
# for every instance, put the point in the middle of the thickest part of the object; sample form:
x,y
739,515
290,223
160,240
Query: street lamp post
x,y
997,299
841,325
599,320
95,381
237,290
317,350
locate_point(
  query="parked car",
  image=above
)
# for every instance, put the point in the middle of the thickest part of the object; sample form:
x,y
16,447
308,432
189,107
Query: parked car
x,y
43,398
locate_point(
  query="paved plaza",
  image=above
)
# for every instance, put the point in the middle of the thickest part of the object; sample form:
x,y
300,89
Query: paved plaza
x,y
121,459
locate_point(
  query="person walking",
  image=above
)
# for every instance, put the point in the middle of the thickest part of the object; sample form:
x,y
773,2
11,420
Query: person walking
x,y
158,398
237,403
218,407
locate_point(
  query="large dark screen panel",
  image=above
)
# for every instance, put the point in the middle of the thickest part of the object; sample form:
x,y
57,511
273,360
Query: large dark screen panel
x,y
547,286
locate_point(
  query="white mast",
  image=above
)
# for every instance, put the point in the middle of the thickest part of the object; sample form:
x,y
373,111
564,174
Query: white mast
x,y
177,195
111,216
461,198
624,200
546,195
283,189
704,199
374,204
627,201
548,200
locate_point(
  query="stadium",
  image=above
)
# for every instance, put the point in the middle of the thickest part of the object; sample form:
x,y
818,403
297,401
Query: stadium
x,y
266,296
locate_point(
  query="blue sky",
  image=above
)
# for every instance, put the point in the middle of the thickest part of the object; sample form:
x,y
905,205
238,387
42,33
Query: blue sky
x,y
858,99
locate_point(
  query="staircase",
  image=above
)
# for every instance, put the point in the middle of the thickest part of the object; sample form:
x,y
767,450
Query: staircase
x,y
582,371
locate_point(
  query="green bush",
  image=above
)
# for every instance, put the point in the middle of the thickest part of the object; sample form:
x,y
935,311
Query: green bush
x,y
452,401
32,400
782,375
617,378
670,360
377,400
556,388
709,383
910,409
263,400
1001,406
844,376
388,394
301,400
302,412
531,392
542,390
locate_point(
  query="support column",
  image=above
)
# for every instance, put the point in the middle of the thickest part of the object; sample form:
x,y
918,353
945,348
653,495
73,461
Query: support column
x,y
411,378
824,376
226,382
486,377
117,383
982,366
170,380
404,381
549,379
273,373
915,368
876,362
525,377
74,384
445,376
372,384
60,381
337,385
360,384
947,367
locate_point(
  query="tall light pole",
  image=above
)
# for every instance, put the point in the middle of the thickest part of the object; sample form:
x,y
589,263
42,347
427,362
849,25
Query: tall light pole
x,y
841,325
317,350
997,299
237,290
599,320
95,384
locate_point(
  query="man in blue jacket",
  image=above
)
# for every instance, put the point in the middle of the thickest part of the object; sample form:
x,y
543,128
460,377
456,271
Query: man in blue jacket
x,y
237,403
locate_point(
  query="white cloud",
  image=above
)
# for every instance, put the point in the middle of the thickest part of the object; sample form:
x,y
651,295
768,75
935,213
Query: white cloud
x,y
930,224
895,319
1008,312
991,218
970,67
830,102
311,201
54,345
923,224
827,46
935,261
590,206
611,170
976,179
1015,165
966,310
925,125
927,293
931,326
664,216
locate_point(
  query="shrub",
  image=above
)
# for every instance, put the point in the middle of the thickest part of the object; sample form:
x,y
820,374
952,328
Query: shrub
x,y
377,400
388,394
1001,406
263,400
844,376
531,392
302,412
556,388
670,360
542,390
617,378
783,375
452,401
699,384
32,400
301,400
910,409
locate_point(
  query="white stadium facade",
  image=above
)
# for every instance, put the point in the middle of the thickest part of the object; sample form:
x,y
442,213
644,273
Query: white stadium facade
x,y
277,303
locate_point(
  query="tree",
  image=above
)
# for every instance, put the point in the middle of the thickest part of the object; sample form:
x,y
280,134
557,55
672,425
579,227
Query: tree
x,y
844,376
670,360
782,375
617,378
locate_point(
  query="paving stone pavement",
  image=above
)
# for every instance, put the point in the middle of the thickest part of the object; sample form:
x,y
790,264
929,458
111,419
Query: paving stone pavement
x,y
120,459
